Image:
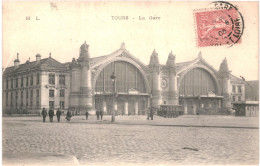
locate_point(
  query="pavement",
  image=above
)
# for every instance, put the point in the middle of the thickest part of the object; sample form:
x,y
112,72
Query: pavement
x,y
131,140
31,159
189,121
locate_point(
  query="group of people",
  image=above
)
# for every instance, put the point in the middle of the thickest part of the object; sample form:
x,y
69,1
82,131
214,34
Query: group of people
x,y
51,114
99,114
69,114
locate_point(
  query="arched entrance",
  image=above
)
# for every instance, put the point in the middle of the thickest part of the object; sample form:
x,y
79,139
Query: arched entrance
x,y
198,92
131,91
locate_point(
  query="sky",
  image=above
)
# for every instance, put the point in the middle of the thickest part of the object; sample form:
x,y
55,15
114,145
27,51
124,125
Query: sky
x,y
61,27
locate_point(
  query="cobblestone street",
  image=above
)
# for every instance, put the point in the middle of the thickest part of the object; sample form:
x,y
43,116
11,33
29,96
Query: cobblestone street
x,y
135,140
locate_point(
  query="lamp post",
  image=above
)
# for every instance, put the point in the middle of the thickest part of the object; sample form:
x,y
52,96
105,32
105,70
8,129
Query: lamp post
x,y
113,79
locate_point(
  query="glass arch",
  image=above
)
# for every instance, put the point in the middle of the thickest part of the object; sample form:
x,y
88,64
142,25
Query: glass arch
x,y
197,82
128,77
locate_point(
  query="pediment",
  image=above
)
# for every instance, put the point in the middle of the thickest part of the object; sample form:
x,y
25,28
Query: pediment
x,y
132,91
211,94
121,53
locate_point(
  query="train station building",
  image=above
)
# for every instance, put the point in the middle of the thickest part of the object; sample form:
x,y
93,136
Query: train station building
x,y
85,83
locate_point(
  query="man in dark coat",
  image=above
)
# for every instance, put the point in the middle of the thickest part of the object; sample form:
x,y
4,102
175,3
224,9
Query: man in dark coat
x,y
58,114
69,115
101,114
151,113
44,114
97,112
51,114
87,115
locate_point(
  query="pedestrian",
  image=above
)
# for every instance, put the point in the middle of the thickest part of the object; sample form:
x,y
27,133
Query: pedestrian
x,y
51,114
78,112
101,114
151,114
58,114
87,115
44,114
148,114
198,114
69,115
180,112
164,112
97,113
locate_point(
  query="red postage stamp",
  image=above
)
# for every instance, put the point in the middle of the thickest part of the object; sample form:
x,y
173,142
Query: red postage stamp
x,y
223,26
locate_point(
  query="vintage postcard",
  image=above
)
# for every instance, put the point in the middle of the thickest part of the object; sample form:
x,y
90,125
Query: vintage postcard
x,y
130,83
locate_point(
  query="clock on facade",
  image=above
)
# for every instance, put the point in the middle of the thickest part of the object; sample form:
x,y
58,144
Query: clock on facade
x,y
164,83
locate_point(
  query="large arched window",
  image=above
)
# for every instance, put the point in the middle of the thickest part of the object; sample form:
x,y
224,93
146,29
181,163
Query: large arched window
x,y
127,77
197,82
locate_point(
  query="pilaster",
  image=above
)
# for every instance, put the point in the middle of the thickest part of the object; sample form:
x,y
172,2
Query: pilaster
x,y
156,91
173,99
136,107
185,108
104,106
226,85
126,107
85,78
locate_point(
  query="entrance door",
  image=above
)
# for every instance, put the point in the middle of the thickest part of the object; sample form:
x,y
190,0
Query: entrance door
x,y
131,107
190,108
141,107
121,107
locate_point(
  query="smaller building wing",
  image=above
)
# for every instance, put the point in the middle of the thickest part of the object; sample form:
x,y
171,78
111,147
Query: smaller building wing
x,y
252,90
47,63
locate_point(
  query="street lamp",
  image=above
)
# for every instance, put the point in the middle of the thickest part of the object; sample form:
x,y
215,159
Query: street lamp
x,y
113,79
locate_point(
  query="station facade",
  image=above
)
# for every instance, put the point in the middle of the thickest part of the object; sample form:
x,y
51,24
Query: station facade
x,y
85,83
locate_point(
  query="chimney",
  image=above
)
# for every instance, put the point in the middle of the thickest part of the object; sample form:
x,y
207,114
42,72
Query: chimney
x,y
38,57
16,61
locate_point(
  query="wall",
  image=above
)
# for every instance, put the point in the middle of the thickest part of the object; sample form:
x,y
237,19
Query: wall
x,y
236,93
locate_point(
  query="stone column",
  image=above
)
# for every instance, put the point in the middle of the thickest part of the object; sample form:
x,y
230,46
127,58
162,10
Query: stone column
x,y
126,107
226,93
226,85
185,107
173,88
170,64
156,85
85,85
148,103
136,107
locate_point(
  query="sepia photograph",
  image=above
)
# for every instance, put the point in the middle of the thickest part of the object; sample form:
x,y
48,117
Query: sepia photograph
x,y
130,83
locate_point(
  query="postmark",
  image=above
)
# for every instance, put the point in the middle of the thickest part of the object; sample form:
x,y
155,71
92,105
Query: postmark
x,y
221,24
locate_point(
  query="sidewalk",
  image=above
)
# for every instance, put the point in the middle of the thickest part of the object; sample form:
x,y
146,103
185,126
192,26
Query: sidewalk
x,y
217,121
193,121
182,121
